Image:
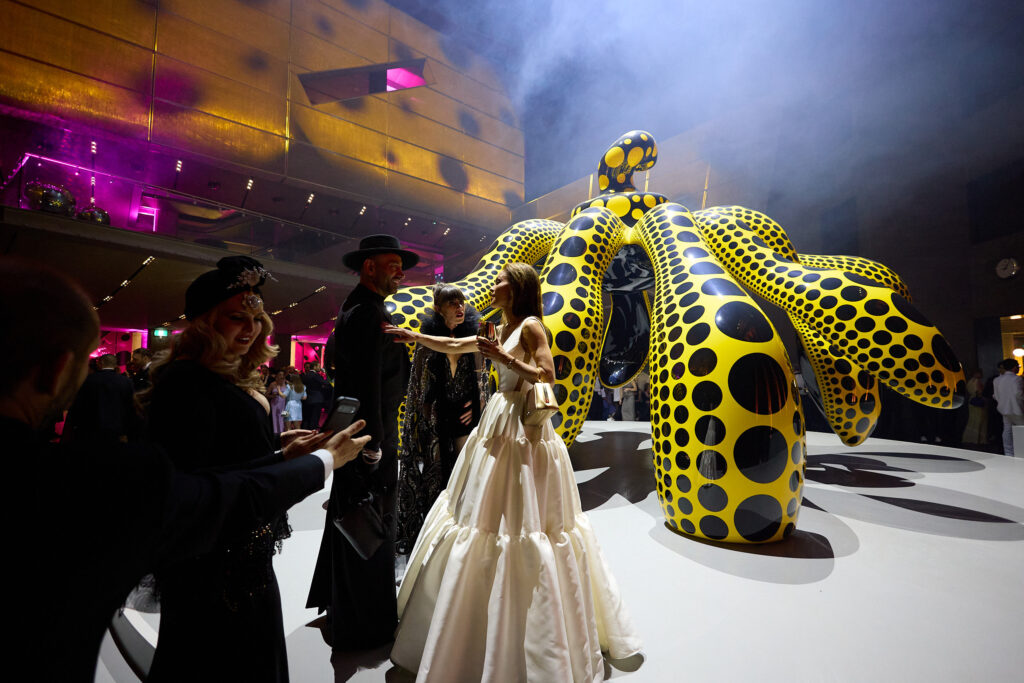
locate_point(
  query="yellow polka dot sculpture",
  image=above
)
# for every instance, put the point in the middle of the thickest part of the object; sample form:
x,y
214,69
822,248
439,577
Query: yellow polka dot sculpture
x,y
727,426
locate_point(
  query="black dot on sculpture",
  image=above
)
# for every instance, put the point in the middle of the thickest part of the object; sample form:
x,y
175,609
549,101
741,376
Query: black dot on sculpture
x,y
679,392
402,296
711,464
853,293
683,483
717,286
582,223
686,525
846,312
682,437
881,337
709,430
562,274
908,311
864,324
695,253
758,518
828,301
713,527
553,303
682,461
761,453
698,333
831,283
702,362
565,341
574,246
895,324
705,268
876,307
741,321
571,320
706,396
862,425
681,221
712,497
689,299
944,354
685,506
798,423
562,367
693,315
913,342
758,383
681,414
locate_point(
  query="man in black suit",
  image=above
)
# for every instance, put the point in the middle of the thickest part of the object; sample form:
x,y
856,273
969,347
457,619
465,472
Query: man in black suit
x,y
141,360
104,409
86,522
318,393
359,593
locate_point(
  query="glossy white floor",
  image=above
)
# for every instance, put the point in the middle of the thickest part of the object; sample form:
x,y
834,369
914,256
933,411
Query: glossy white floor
x,y
907,565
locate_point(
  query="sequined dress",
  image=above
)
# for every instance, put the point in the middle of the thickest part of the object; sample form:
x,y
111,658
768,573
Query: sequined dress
x,y
506,581
220,614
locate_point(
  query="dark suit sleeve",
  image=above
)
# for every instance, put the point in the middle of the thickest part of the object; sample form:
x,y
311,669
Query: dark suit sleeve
x,y
361,339
200,508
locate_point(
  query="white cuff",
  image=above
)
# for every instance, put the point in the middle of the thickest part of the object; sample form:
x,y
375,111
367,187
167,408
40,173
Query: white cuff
x,y
328,461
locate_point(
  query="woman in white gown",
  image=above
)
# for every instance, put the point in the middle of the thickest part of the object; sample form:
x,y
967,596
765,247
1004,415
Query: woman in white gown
x,y
506,581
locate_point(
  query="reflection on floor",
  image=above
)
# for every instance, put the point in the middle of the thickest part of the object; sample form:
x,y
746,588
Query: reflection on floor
x,y
906,565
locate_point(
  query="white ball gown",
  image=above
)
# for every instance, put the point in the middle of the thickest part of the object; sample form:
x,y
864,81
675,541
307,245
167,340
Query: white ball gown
x,y
506,581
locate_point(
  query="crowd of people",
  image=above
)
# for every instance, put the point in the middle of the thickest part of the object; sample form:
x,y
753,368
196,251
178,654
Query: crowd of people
x,y
185,468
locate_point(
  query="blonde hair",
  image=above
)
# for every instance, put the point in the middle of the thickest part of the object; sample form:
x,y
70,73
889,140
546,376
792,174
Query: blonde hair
x,y
202,343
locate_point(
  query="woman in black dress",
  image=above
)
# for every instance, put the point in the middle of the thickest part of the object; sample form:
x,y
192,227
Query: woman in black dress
x,y
221,613
442,407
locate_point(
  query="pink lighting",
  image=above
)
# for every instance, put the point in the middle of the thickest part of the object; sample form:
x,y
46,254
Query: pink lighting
x,y
150,211
400,79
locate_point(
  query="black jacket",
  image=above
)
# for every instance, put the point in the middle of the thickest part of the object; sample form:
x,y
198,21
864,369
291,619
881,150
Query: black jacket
x,y
103,410
89,522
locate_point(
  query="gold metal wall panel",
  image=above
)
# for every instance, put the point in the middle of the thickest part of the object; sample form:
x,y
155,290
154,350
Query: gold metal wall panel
x,y
369,112
188,86
460,87
340,29
433,104
422,38
238,60
351,176
449,172
488,214
129,20
31,33
234,19
44,89
424,197
341,137
374,13
313,53
422,131
490,158
201,133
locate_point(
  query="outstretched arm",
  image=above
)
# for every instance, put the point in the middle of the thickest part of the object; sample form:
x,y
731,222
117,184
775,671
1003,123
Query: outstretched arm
x,y
442,344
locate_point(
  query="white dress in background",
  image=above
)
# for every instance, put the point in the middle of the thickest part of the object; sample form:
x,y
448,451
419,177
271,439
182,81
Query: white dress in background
x,y
506,581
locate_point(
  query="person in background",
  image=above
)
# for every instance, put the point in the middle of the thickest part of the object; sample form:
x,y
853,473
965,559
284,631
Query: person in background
x,y
277,393
442,406
104,410
1008,390
94,519
976,430
629,397
295,394
141,360
318,395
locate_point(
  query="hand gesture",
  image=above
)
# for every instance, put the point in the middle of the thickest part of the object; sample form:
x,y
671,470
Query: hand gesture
x,y
296,442
467,416
401,335
491,349
344,447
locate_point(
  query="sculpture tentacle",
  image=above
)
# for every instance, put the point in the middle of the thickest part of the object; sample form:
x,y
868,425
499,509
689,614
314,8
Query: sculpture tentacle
x,y
726,423
849,396
863,321
571,293
527,241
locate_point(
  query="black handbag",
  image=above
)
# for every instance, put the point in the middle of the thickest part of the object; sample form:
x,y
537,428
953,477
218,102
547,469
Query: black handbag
x,y
362,525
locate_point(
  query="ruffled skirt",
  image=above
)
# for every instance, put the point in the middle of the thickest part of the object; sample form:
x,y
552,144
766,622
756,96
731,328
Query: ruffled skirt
x,y
506,581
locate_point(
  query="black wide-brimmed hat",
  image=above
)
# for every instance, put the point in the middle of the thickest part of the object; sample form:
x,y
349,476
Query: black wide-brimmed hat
x,y
379,244
234,275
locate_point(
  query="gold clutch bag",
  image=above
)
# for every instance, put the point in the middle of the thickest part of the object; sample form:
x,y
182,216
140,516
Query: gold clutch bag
x,y
540,404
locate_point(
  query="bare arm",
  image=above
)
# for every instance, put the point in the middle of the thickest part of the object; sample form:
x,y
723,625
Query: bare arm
x,y
442,344
536,343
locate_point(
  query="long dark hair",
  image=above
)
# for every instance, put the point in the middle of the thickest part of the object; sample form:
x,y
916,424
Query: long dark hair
x,y
525,285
